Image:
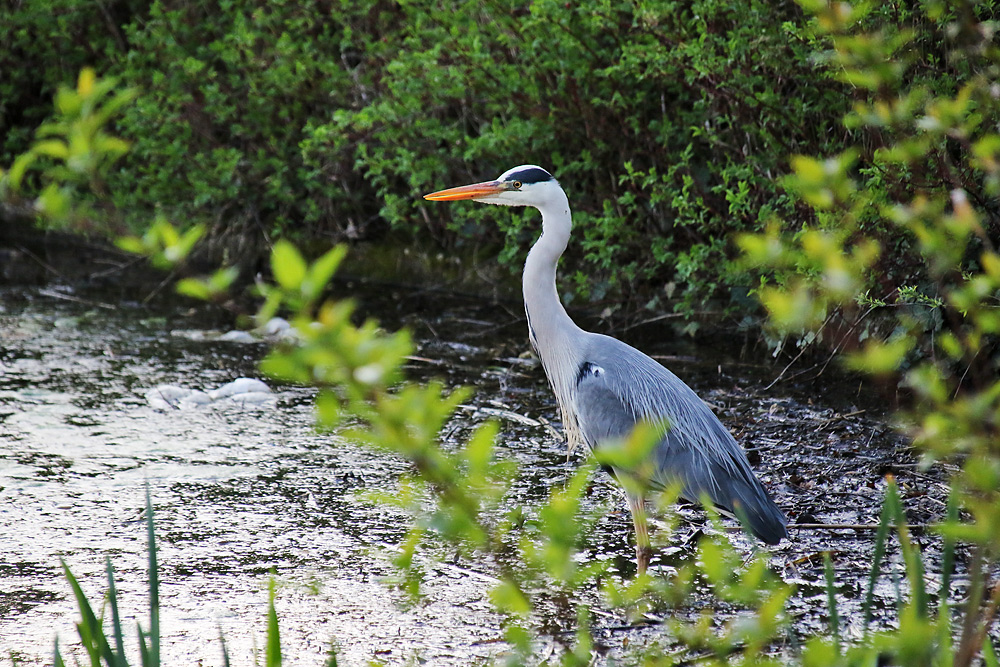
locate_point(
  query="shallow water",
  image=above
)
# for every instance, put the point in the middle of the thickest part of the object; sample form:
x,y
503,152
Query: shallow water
x,y
241,493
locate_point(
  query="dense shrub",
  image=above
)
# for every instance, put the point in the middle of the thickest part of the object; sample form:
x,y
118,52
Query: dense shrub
x,y
666,122
669,124
230,91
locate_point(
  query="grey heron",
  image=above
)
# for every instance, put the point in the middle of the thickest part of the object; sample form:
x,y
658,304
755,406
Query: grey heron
x,y
605,387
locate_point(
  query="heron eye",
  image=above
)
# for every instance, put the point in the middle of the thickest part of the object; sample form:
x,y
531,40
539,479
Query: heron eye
x,y
517,185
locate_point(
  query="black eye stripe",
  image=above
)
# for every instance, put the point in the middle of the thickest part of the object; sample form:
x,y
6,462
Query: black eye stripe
x,y
530,175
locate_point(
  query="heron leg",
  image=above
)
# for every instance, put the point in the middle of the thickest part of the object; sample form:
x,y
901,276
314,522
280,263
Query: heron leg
x,y
643,550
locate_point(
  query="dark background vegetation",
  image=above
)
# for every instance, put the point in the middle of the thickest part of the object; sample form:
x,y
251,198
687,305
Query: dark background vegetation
x,y
670,124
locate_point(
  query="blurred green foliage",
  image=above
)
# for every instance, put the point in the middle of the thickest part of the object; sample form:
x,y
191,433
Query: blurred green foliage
x,y
456,496
901,271
67,164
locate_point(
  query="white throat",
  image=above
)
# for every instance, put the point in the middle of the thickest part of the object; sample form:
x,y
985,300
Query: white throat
x,y
555,337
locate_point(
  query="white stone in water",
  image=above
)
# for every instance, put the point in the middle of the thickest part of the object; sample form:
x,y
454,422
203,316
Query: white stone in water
x,y
236,336
242,391
194,399
253,398
275,326
239,386
194,334
166,396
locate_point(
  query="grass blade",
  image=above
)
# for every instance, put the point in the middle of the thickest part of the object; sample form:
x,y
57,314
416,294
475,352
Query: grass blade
x,y
57,659
89,628
831,600
989,654
272,652
153,654
947,553
116,623
911,553
225,649
143,646
881,536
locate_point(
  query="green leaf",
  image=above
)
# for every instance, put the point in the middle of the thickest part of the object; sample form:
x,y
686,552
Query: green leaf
x,y
322,270
288,265
327,408
18,169
879,358
507,597
52,148
272,655
195,288
54,203
131,244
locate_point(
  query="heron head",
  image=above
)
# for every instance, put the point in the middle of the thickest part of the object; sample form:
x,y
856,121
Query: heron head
x,y
526,185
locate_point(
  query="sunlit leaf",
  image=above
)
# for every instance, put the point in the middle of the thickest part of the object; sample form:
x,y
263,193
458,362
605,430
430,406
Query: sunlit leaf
x,y
877,357
508,597
288,265
85,82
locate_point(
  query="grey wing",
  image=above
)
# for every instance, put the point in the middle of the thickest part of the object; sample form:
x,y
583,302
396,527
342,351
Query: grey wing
x,y
603,416
622,386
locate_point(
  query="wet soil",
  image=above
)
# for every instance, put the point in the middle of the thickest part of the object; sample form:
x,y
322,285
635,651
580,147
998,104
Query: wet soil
x,y
242,495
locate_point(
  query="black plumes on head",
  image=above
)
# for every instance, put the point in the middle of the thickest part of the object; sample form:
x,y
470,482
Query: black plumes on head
x,y
530,175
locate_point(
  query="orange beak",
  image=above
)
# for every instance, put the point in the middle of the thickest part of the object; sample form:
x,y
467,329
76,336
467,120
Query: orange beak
x,y
467,191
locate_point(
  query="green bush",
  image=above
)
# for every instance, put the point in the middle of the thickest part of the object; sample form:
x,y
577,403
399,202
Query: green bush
x,y
667,123
901,271
230,91
670,124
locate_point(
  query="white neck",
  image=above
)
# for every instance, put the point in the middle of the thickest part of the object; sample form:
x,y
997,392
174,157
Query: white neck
x,y
555,337
546,316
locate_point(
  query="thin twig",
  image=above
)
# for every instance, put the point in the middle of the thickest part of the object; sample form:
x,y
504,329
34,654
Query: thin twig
x,y
843,339
834,418
853,526
75,299
159,288
651,320
509,415
41,262
805,347
425,360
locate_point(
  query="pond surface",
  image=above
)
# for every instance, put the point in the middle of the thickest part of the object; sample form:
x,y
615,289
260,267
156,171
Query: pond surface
x,y
244,494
